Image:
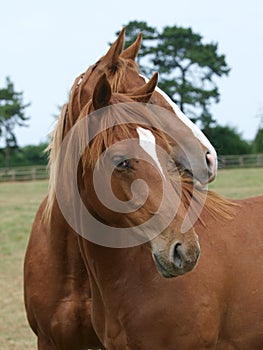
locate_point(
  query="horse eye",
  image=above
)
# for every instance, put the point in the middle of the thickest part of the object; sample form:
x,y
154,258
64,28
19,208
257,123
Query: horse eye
x,y
121,163
125,164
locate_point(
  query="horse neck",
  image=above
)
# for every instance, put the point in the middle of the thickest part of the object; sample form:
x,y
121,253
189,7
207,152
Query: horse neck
x,y
62,242
158,100
109,267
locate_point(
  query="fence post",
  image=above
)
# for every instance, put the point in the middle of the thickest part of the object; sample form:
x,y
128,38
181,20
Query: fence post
x,y
259,160
13,174
33,174
241,161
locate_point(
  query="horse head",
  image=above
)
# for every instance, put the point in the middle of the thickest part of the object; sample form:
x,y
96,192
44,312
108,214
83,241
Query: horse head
x,y
192,150
129,186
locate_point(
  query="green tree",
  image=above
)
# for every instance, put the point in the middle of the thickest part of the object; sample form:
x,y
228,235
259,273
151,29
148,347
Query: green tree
x,y
12,114
150,34
187,67
258,141
227,140
35,154
28,155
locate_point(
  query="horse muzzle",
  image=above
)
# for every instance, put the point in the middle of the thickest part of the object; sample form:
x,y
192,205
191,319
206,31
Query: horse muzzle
x,y
179,261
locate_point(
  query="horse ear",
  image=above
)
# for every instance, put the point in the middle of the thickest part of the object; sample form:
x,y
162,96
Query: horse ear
x,y
132,51
144,93
102,93
115,50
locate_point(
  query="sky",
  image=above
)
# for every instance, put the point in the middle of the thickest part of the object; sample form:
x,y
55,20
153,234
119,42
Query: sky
x,y
44,45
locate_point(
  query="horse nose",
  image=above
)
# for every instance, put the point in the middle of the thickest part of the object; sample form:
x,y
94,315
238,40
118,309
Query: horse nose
x,y
178,256
182,260
211,162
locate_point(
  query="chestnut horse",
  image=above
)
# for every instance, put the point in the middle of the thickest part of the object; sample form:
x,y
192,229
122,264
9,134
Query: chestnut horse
x,y
132,306
60,316
123,74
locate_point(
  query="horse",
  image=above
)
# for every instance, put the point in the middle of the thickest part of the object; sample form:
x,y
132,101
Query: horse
x,y
50,251
216,306
133,306
63,270
60,316
124,75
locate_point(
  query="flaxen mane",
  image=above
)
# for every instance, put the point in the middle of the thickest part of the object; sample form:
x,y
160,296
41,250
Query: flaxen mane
x,y
78,107
215,204
81,89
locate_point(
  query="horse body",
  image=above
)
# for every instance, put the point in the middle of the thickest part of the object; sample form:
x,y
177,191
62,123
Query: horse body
x,y
217,306
57,292
81,294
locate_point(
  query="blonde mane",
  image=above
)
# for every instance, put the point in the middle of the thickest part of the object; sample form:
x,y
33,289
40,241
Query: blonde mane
x,y
78,107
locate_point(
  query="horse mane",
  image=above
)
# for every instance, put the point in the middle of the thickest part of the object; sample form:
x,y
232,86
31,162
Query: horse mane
x,y
78,107
81,92
216,205
122,117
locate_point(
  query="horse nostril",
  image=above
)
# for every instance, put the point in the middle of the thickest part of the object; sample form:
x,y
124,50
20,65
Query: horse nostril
x,y
210,162
178,256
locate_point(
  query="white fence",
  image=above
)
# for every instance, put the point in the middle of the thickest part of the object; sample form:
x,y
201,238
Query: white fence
x,y
40,172
24,173
241,161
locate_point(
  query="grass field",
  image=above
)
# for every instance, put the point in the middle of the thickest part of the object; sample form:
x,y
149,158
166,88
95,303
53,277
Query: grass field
x,y
239,183
18,204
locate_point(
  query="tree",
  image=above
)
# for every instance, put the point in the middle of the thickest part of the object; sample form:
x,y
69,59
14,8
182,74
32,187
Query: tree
x,y
12,114
258,141
150,34
28,155
186,65
227,140
35,154
187,68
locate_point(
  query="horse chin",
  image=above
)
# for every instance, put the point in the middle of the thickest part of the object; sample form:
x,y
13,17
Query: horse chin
x,y
165,269
198,183
179,262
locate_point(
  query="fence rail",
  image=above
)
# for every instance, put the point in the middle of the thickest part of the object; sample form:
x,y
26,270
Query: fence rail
x,y
241,161
24,173
40,172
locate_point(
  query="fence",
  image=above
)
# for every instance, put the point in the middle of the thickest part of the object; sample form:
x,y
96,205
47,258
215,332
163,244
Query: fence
x,y
241,161
24,173
40,172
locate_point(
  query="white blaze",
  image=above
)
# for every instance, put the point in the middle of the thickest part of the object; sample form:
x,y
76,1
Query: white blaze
x,y
148,144
193,127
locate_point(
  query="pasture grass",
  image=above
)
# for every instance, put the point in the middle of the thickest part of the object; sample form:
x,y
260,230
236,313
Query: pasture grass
x,y
18,204
239,183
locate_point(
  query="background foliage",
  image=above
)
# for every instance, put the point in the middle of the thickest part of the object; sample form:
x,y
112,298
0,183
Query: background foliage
x,y
189,69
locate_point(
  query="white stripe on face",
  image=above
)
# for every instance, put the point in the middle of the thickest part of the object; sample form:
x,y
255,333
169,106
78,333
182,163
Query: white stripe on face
x,y
193,127
148,144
